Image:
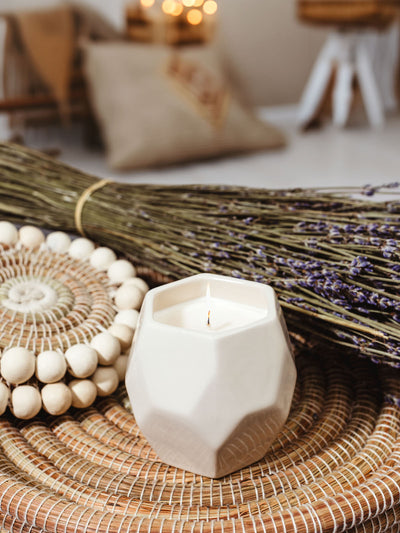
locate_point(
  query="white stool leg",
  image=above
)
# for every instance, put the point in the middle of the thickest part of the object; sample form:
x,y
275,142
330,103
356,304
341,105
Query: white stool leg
x,y
368,84
388,57
343,93
317,83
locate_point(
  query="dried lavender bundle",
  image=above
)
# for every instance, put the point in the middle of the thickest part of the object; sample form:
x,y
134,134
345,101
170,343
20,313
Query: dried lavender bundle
x,y
332,256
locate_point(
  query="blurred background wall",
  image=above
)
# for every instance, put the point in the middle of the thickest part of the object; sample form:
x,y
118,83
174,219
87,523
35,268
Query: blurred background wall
x,y
268,53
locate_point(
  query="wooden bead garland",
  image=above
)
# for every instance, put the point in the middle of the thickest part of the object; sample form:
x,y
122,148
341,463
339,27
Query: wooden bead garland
x,y
17,365
50,366
129,317
58,241
81,248
4,397
83,391
121,365
82,360
64,335
123,333
120,271
107,346
137,282
31,237
8,233
128,297
26,401
106,380
102,258
56,398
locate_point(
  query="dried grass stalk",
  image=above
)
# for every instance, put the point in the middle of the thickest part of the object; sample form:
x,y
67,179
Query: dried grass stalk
x,y
332,256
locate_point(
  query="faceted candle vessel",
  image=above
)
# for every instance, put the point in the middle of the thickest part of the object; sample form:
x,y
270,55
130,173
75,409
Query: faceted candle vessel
x,y
211,374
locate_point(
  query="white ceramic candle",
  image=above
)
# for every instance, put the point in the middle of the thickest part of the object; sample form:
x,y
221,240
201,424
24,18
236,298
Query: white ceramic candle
x,y
211,374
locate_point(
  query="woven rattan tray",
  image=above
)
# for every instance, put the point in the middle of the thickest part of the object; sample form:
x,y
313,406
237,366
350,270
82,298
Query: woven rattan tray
x,y
334,467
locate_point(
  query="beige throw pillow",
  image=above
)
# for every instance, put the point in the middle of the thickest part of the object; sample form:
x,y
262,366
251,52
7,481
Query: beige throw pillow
x,y
157,105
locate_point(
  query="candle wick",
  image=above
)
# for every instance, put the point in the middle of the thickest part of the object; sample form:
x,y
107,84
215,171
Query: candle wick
x,y
208,300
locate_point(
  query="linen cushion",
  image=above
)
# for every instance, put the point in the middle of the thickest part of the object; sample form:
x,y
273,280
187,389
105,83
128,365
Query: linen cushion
x,y
157,105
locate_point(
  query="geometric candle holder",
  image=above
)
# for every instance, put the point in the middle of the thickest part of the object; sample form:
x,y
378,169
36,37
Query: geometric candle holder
x,y
211,374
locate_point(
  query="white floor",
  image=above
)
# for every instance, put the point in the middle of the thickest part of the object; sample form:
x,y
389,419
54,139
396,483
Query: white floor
x,y
323,157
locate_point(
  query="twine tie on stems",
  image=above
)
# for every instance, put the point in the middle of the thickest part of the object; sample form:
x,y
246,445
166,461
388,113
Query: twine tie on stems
x,y
87,193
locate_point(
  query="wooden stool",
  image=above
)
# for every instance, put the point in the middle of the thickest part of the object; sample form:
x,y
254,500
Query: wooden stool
x,y
365,46
371,56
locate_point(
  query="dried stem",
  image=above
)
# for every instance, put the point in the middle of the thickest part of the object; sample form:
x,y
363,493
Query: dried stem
x,y
331,254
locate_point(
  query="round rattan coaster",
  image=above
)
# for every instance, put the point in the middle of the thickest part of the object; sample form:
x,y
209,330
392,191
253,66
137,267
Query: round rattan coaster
x,y
68,310
334,467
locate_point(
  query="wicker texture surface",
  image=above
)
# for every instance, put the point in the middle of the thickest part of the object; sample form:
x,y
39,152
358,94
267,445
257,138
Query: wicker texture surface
x,y
82,303
334,467
56,311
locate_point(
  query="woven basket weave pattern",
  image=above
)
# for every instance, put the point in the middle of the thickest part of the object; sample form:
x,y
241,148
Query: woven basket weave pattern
x,y
334,466
83,308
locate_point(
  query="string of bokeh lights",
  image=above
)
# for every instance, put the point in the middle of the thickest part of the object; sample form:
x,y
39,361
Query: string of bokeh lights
x,y
194,10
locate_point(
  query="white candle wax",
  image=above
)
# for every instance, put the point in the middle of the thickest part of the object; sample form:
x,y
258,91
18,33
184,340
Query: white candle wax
x,y
224,314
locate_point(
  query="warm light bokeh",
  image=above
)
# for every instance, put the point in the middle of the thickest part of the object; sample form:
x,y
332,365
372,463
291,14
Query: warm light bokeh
x,y
168,6
194,9
147,3
178,9
194,17
210,7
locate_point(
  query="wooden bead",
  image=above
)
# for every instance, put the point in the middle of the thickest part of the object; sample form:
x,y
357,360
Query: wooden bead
x,y
50,366
102,258
83,392
4,397
17,365
82,360
106,380
129,317
128,297
123,333
58,242
8,233
139,283
31,237
56,398
120,271
26,402
120,365
107,347
81,248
